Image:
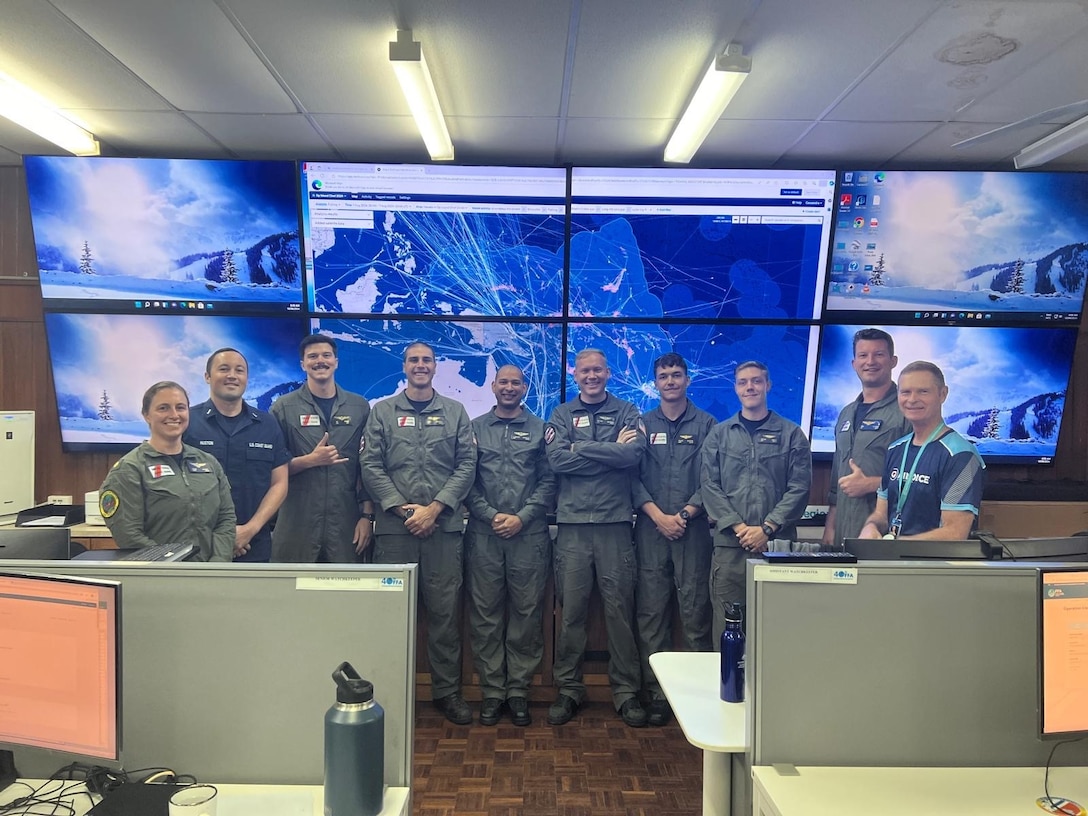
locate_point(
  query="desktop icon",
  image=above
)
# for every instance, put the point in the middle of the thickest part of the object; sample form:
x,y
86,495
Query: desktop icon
x,y
859,223
873,223
860,201
845,199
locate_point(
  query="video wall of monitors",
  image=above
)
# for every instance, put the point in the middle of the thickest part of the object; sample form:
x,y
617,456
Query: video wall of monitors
x,y
149,265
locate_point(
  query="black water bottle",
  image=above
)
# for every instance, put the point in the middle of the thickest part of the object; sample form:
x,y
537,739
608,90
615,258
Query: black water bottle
x,y
732,688
354,748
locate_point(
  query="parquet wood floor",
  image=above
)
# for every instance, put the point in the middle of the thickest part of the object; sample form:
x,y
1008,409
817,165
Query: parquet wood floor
x,y
592,766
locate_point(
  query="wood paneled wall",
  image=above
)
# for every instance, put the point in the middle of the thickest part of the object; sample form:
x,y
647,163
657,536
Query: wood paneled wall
x,y
26,383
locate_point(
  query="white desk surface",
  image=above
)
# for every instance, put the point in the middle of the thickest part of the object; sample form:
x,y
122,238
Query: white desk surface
x,y
234,800
911,791
691,682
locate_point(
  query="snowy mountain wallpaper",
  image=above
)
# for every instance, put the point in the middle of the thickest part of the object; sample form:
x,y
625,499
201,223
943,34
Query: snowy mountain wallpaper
x,y
906,241
102,364
1006,386
110,229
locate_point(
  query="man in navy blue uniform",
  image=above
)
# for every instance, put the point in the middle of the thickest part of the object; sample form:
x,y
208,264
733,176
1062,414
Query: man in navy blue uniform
x,y
933,477
248,444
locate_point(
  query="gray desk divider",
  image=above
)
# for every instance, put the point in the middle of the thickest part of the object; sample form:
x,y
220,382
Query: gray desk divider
x,y
919,663
227,668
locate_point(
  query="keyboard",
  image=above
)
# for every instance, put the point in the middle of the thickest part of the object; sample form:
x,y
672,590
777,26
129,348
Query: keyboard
x,y
159,552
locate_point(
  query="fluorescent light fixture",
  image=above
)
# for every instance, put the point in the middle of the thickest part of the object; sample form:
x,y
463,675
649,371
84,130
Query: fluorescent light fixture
x,y
721,82
415,81
1051,147
29,110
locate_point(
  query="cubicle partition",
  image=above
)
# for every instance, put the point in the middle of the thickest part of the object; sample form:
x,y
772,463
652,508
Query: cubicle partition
x,y
911,664
227,668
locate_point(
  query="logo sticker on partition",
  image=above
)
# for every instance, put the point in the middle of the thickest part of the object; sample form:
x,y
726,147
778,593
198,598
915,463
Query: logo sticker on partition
x,y
1063,807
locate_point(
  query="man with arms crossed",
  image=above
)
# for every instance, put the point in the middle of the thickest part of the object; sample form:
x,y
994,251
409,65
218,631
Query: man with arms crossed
x,y
248,444
327,516
864,430
672,536
757,472
932,483
418,461
508,549
594,443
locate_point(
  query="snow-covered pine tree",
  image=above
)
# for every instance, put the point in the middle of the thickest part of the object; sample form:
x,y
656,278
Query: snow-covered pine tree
x,y
992,429
104,406
85,265
876,277
230,271
1016,279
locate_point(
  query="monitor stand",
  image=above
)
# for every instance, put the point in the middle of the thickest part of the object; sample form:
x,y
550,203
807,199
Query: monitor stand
x,y
8,774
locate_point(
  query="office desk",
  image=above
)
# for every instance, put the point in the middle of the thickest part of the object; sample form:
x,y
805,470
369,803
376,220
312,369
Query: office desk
x,y
691,683
234,800
911,791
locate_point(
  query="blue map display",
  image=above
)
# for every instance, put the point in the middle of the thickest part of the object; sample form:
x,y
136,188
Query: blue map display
x,y
681,266
441,263
468,355
711,352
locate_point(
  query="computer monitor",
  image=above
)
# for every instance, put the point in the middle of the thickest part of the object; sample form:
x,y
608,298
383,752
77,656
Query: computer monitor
x,y
60,677
1063,650
44,543
912,549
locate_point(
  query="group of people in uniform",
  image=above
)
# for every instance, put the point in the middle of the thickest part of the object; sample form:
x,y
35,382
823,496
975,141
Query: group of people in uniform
x,y
325,477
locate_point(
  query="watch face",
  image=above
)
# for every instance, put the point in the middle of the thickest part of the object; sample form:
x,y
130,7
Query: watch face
x,y
685,515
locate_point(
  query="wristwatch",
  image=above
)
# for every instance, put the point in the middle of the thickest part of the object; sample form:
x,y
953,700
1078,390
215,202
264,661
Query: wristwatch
x,y
684,514
768,530
367,516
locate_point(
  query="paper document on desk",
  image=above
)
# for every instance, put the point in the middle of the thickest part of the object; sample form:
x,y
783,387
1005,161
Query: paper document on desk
x,y
45,521
280,803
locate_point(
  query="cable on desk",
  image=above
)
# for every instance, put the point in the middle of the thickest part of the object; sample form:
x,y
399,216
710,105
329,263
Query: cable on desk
x,y
1046,774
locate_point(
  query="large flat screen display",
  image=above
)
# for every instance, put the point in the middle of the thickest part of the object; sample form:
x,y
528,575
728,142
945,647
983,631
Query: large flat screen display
x,y
434,240
684,243
102,364
711,351
165,235
1063,653
467,353
950,246
1006,385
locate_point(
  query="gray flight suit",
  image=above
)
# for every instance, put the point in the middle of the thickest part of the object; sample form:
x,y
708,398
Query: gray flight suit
x,y
148,499
765,478
506,577
596,480
416,457
317,519
669,476
867,444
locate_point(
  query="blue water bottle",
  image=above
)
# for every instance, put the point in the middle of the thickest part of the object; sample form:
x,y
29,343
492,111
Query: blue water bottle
x,y
732,688
354,748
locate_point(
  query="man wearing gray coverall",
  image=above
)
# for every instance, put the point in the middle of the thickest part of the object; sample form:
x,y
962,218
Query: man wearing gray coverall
x,y
757,471
672,535
507,549
594,444
418,461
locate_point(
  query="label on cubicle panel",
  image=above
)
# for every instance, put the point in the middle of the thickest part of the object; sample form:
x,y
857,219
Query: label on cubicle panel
x,y
351,583
807,574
